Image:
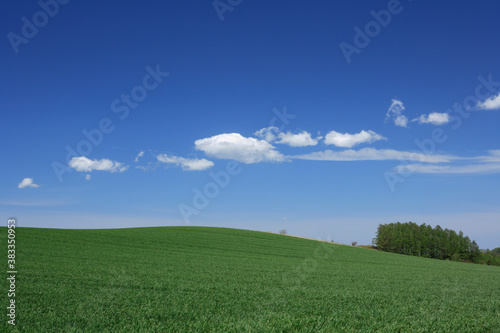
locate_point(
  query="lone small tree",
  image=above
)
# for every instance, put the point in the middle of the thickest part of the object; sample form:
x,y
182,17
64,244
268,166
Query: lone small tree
x,y
283,232
354,243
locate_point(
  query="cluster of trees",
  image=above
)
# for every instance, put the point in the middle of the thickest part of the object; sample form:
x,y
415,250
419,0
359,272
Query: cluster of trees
x,y
490,257
424,241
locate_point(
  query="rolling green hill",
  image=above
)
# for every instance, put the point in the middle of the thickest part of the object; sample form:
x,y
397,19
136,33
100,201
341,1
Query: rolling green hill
x,y
178,279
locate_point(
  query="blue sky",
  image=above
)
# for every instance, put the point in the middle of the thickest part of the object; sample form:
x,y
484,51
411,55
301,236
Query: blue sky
x,y
325,119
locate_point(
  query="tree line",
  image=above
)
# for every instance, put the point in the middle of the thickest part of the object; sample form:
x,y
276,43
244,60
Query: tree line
x,y
424,241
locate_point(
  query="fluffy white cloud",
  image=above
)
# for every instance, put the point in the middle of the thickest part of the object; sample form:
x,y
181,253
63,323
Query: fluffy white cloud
x,y
491,103
141,154
237,147
83,164
302,139
268,133
395,113
27,182
371,154
189,164
88,177
347,140
272,133
434,118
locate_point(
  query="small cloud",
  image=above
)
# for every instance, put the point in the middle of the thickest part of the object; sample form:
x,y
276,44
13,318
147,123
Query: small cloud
x,y
189,164
27,182
145,168
234,146
302,139
395,113
492,103
141,153
268,134
83,164
272,133
347,140
87,177
433,118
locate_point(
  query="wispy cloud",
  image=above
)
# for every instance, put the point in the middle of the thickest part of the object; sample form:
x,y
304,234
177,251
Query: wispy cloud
x,y
141,153
492,103
450,169
395,113
347,140
494,156
481,164
27,182
189,164
83,164
434,118
371,154
237,147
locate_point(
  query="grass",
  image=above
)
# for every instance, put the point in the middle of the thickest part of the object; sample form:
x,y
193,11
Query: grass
x,y
182,279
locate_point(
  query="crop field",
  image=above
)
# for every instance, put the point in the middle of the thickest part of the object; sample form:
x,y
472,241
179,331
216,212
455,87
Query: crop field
x,y
197,279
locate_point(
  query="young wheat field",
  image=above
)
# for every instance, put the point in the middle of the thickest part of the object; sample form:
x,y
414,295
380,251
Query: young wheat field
x,y
200,279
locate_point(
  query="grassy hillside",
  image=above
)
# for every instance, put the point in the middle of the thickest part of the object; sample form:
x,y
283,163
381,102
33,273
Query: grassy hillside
x,y
177,279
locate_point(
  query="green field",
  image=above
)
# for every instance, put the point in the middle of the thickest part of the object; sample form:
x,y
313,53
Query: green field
x,y
182,279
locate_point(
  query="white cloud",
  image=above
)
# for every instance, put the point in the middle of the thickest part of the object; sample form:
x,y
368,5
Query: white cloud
x,y
27,182
87,177
302,139
395,113
434,118
83,164
371,154
491,103
494,156
189,164
450,169
347,140
237,147
141,154
272,133
487,164
268,133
